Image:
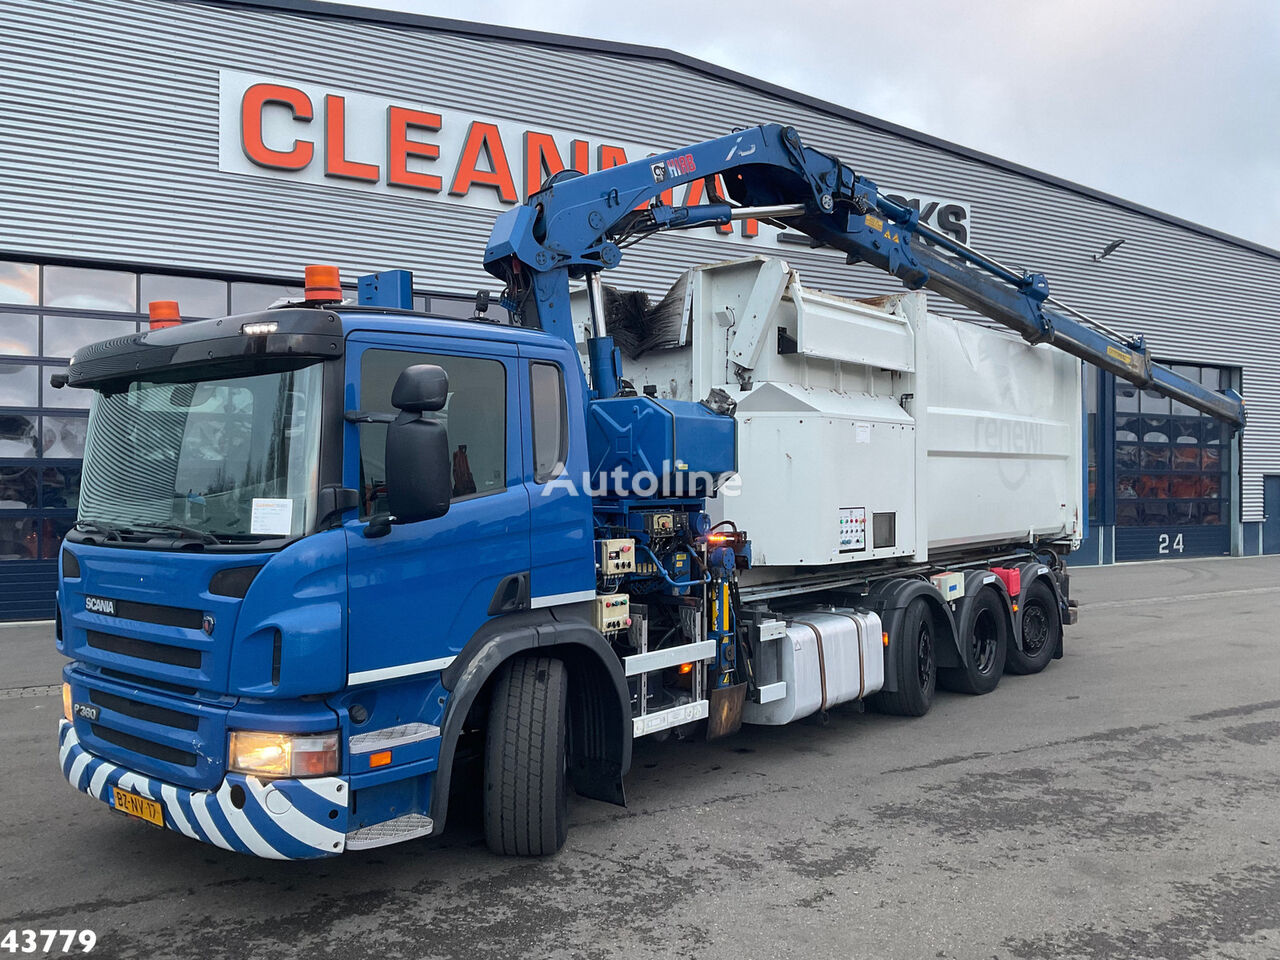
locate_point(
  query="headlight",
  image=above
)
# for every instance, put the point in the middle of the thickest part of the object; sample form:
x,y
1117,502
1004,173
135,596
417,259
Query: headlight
x,y
283,754
66,702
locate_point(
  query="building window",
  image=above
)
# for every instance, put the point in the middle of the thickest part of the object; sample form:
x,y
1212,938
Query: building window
x,y
83,288
19,334
18,489
19,283
252,297
196,296
462,308
1172,462
64,335
18,384
18,435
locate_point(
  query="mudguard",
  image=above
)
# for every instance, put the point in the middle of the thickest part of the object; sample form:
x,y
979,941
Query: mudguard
x,y
600,703
974,582
1035,570
890,598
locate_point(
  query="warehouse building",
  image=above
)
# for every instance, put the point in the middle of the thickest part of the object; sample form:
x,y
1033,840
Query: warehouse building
x,y
204,152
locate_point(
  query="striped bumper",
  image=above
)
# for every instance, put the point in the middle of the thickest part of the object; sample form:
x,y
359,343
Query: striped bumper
x,y
277,819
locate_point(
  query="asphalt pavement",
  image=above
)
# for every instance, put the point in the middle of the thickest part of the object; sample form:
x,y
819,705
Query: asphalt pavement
x,y
1123,804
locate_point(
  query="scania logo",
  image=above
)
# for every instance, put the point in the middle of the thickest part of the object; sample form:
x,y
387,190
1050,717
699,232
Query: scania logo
x,y
100,605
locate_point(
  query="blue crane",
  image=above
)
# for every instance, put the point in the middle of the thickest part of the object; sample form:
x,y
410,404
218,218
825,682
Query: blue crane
x,y
578,225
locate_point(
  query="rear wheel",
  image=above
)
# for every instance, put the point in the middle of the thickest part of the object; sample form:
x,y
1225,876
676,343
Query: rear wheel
x,y
985,644
1041,631
914,664
525,795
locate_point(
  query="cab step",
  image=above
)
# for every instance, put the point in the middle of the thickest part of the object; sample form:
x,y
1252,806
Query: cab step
x,y
408,827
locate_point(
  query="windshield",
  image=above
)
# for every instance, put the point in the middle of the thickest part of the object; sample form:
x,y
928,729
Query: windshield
x,y
234,459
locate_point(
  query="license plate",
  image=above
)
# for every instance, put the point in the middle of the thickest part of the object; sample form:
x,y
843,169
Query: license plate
x,y
137,806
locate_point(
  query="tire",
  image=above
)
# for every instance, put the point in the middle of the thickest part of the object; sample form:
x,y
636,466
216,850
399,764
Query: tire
x,y
1041,630
525,794
914,665
984,645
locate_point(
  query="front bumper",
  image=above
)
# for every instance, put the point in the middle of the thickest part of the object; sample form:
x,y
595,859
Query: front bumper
x,y
276,819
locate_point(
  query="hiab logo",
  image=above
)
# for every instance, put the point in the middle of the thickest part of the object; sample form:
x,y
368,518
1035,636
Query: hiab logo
x,y
675,167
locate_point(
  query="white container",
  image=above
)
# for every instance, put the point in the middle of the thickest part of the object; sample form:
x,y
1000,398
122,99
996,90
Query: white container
x,y
825,658
916,432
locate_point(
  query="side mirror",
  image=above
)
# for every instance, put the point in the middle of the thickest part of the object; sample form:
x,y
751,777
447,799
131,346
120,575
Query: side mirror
x,y
419,475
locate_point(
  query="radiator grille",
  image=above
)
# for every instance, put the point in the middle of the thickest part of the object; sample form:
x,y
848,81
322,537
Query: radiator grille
x,y
157,751
144,649
144,711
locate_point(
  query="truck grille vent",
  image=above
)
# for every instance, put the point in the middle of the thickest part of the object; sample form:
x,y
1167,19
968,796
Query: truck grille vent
x,y
155,613
144,649
144,711
157,751
147,682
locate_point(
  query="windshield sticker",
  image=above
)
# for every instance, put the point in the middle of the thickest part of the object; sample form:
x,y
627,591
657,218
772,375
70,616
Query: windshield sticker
x,y
271,516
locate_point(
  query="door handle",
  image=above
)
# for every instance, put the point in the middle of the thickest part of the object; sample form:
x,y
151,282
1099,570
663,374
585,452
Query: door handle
x,y
511,594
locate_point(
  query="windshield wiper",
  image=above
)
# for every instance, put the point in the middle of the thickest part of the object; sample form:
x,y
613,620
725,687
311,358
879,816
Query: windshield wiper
x,y
189,533
98,526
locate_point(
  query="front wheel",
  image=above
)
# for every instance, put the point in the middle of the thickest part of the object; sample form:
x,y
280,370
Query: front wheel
x,y
914,664
1041,631
525,794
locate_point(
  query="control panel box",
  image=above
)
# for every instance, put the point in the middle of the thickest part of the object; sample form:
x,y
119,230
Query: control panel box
x,y
661,524
852,524
616,556
611,613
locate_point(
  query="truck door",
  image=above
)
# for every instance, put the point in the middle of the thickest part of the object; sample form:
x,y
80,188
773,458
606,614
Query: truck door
x,y
562,538
416,595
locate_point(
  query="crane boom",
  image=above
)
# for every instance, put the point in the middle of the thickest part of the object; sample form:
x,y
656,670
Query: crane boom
x,y
578,224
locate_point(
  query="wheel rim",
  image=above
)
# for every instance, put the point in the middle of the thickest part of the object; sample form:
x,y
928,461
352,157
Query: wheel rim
x,y
985,642
1035,629
924,656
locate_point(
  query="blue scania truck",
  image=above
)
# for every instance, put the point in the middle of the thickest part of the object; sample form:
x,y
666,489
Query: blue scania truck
x,y
328,552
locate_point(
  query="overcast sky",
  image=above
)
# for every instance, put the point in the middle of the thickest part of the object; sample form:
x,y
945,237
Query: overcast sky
x,y
1169,103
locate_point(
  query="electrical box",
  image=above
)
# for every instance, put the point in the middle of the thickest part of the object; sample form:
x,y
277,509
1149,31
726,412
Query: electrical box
x,y
950,585
612,613
660,523
617,556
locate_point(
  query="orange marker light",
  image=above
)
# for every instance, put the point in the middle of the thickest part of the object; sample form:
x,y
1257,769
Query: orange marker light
x,y
885,637
379,759
163,313
322,282
685,668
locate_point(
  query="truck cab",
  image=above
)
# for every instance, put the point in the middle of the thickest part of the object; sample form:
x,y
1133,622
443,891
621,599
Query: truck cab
x,y
260,649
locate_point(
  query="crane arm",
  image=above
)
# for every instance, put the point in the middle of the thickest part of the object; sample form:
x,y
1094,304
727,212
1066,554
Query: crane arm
x,y
579,224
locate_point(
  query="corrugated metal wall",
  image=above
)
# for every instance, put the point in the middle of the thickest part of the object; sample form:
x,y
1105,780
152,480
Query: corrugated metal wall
x,y
109,140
